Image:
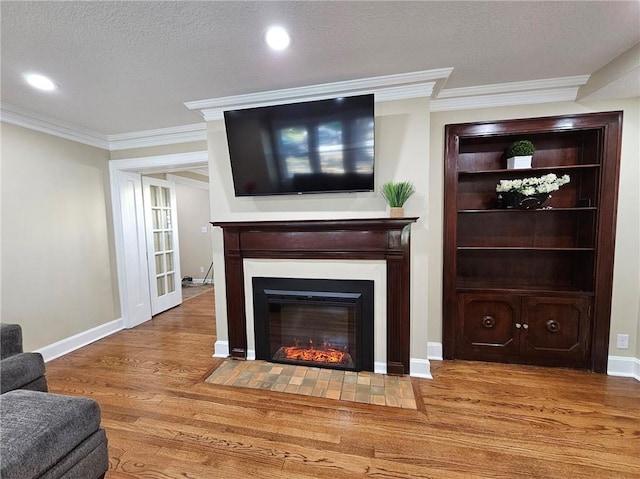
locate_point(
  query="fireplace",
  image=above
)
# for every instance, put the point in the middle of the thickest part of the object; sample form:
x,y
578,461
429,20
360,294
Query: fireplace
x,y
387,239
314,322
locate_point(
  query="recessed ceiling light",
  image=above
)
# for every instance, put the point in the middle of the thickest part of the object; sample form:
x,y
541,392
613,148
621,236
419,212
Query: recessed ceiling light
x,y
277,38
40,82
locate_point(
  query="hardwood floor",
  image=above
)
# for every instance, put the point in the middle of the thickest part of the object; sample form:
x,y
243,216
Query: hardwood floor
x,y
474,420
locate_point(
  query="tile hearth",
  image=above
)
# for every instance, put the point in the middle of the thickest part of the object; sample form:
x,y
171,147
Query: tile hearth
x,y
363,387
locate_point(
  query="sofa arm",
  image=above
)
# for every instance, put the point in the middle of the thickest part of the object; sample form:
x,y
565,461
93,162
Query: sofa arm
x,y
10,340
23,371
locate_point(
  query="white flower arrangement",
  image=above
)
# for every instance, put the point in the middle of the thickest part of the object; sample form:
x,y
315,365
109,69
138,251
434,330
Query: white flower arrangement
x,y
531,186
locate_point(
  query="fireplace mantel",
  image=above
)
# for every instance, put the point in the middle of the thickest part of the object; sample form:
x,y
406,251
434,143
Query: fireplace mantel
x,y
349,239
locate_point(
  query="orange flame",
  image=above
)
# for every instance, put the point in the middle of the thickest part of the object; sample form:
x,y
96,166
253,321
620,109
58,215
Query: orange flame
x,y
332,356
311,354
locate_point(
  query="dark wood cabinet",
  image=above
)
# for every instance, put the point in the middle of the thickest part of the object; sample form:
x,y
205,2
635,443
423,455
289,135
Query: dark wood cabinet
x,y
488,325
556,328
531,285
524,329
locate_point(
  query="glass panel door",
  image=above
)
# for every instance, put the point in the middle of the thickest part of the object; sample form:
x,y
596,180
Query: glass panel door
x,y
162,234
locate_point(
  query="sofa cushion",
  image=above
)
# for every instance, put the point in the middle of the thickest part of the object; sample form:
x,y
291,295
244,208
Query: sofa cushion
x,y
39,429
90,460
19,371
10,339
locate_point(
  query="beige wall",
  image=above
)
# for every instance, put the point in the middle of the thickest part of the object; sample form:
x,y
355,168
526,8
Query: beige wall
x,y
58,268
402,139
58,273
637,355
410,145
193,215
626,281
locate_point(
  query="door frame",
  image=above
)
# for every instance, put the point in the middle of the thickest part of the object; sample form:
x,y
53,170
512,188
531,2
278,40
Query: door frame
x,y
140,166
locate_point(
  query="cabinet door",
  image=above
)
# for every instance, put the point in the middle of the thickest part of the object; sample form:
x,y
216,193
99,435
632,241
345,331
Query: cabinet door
x,y
556,328
487,325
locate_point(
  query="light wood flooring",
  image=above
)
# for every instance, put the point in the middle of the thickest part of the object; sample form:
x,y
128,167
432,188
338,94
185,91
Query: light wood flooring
x,y
474,420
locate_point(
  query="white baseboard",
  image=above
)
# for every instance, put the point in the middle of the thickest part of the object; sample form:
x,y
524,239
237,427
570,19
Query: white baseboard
x,y
201,281
221,349
380,367
434,351
251,354
420,368
617,365
79,340
624,367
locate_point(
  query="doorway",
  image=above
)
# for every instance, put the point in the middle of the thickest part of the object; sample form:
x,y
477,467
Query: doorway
x,y
128,220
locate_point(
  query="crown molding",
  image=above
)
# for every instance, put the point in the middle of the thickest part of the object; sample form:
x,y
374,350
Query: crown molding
x,y
158,137
52,126
137,139
427,84
182,180
162,163
509,94
385,88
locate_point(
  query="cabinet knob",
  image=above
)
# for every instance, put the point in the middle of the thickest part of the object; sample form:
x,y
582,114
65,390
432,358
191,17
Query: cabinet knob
x,y
488,322
518,325
553,326
525,326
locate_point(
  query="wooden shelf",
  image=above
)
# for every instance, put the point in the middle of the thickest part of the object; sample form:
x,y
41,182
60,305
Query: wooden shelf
x,y
537,290
536,284
526,171
521,248
540,210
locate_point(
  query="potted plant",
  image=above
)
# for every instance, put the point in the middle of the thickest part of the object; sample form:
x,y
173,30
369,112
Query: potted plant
x,y
528,193
519,154
397,194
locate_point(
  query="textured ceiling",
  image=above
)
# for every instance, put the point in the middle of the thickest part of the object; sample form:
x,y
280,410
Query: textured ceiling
x,y
131,66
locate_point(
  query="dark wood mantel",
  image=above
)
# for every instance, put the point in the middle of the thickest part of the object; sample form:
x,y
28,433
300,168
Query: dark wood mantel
x,y
349,239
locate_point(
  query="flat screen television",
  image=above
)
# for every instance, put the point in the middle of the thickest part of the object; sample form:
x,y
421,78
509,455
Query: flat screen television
x,y
309,147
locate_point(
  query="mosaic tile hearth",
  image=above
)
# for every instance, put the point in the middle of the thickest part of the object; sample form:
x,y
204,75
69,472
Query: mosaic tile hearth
x,y
362,387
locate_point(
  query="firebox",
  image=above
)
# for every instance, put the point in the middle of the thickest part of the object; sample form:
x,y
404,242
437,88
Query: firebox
x,y
314,322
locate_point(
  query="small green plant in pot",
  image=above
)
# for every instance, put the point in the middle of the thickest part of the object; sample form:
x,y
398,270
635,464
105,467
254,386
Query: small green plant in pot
x,y
519,154
397,194
521,148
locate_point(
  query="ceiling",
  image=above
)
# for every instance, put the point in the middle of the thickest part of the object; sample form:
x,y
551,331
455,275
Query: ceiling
x,y
131,66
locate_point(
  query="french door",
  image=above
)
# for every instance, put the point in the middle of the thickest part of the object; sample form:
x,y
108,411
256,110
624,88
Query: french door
x,y
162,243
134,292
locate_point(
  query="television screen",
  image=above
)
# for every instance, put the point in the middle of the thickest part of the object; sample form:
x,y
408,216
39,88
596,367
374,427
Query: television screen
x,y
309,147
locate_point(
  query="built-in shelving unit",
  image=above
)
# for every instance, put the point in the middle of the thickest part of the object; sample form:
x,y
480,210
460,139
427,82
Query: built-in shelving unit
x,y
531,286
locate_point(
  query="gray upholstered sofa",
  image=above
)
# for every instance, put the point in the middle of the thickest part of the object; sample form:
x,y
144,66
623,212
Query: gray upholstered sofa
x,y
44,435
19,370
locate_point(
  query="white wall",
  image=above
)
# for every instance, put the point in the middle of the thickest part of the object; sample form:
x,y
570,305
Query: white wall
x,y
58,267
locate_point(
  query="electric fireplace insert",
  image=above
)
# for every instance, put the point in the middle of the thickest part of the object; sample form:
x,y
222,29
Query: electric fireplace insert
x,y
314,322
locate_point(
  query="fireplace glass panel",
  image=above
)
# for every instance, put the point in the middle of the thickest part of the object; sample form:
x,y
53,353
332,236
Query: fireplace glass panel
x,y
314,322
314,332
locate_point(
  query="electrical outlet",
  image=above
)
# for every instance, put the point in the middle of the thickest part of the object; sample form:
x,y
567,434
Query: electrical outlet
x,y
204,229
202,269
623,341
